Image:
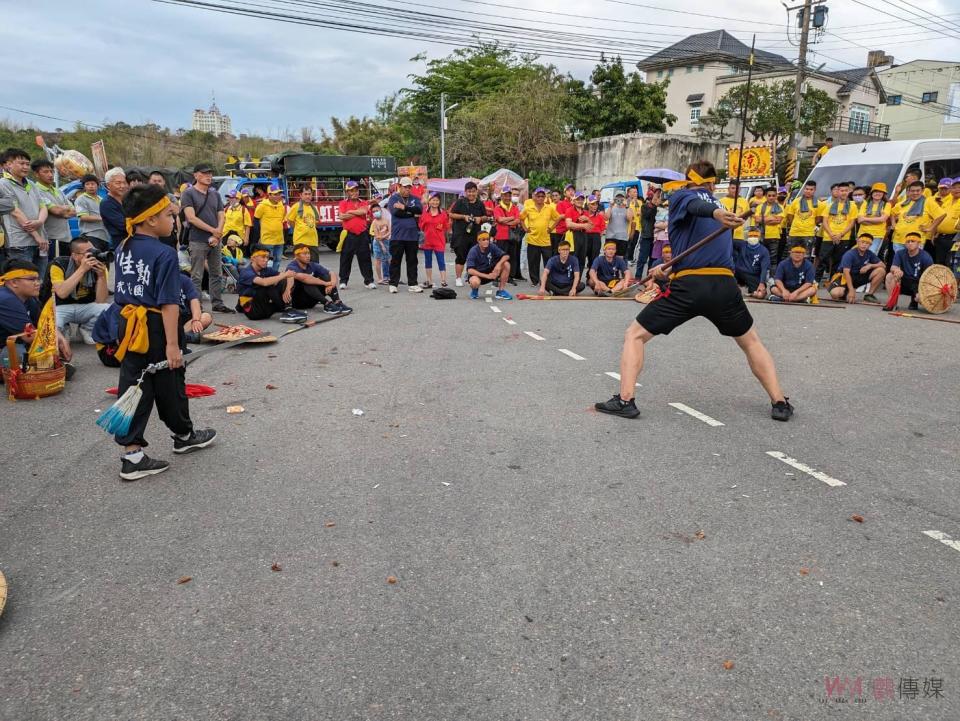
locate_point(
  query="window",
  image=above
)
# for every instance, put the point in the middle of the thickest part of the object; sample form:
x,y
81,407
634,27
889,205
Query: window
x,y
670,73
659,74
699,68
930,97
695,115
894,99
859,119
689,69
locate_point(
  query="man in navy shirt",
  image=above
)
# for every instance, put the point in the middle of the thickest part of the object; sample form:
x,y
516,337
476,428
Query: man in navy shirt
x,y
111,207
19,306
908,265
263,291
312,283
405,208
561,275
702,284
609,272
858,266
487,262
752,264
793,280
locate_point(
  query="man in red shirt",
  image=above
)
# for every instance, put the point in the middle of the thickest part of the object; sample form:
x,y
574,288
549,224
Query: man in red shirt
x,y
354,215
506,215
418,188
563,208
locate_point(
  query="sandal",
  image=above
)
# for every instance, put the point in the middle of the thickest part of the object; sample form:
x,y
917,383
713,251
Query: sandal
x,y
443,285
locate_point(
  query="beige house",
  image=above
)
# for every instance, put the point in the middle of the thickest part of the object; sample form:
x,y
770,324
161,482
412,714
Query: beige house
x,y
922,100
703,68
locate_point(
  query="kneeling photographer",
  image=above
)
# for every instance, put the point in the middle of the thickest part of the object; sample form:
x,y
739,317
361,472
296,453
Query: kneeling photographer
x,y
79,282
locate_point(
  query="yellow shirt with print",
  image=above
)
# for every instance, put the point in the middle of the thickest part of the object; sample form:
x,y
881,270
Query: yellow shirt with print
x,y
951,223
303,218
821,152
940,206
907,223
539,224
870,209
836,222
235,219
803,224
57,276
742,206
271,217
770,232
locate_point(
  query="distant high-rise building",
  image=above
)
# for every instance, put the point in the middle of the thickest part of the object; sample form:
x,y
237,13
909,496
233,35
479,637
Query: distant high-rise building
x,y
212,120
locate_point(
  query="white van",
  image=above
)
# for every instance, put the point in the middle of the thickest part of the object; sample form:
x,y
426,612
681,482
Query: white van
x,y
869,163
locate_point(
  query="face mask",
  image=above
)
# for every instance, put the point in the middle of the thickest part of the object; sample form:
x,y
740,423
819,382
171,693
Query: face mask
x,y
514,198
377,214
858,198
753,241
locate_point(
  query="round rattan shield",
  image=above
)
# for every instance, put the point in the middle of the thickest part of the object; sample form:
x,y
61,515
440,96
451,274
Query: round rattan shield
x,y
938,289
3,592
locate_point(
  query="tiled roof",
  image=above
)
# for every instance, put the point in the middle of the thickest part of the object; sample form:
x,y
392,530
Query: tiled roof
x,y
851,78
717,44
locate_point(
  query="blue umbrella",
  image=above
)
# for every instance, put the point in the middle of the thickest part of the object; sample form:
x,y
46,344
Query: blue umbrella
x,y
659,175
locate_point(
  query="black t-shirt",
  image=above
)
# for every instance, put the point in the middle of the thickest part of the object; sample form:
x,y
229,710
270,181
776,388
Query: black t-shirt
x,y
462,231
648,216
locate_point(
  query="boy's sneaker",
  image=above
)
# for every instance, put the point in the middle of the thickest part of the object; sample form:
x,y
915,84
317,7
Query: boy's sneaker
x,y
393,289
458,282
331,308
616,406
415,289
913,305
293,316
343,286
197,440
130,471
371,285
781,410
474,294
870,298
504,295
343,308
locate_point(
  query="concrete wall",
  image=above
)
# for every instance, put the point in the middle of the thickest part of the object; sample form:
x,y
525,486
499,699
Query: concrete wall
x,y
619,157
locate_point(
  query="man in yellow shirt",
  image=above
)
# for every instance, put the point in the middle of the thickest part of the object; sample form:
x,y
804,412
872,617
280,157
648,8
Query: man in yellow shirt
x,y
236,218
839,217
940,234
824,149
271,213
909,178
768,217
732,203
875,216
539,219
803,216
915,214
303,217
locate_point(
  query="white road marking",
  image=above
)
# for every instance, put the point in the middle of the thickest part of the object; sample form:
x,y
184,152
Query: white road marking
x,y
571,354
829,480
489,299
534,335
488,292
509,321
696,414
616,377
943,538
495,309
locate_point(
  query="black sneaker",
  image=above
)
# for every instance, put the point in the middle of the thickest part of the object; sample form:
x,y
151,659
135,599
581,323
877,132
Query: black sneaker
x,y
331,308
130,471
618,407
344,308
221,308
913,305
197,440
781,410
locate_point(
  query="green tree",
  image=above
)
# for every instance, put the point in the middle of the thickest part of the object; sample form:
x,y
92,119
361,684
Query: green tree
x,y
615,102
770,110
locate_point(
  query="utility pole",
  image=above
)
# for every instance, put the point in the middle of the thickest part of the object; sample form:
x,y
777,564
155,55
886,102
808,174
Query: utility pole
x,y
798,93
444,109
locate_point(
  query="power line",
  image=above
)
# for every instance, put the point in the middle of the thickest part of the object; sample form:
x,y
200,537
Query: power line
x,y
905,19
900,4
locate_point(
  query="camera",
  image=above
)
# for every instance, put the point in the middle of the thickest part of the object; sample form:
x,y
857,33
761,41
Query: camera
x,y
104,256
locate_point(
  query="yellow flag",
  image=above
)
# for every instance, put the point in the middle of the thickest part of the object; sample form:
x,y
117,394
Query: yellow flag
x,y
43,350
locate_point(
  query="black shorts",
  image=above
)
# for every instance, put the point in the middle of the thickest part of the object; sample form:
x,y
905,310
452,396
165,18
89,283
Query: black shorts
x,y
748,279
715,297
462,246
858,280
909,286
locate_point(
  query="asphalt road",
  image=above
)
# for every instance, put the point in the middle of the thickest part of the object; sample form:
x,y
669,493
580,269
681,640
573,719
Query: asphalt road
x,y
549,563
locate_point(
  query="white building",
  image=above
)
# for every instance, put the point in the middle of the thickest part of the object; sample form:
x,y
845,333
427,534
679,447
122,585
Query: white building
x,y
923,99
212,120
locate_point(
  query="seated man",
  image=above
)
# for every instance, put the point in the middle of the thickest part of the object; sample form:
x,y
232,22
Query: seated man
x,y
858,266
609,272
20,306
793,281
232,254
264,291
561,276
79,282
192,315
752,263
486,263
312,283
908,265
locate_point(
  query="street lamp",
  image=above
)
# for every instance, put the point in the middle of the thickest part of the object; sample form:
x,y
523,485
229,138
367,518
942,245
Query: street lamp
x,y
444,109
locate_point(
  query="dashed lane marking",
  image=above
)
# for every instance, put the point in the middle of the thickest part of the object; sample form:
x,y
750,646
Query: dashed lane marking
x,y
534,335
509,321
571,354
794,463
495,309
696,414
489,299
616,377
943,538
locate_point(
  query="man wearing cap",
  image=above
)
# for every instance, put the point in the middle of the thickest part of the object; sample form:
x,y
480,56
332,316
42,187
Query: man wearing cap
x,y
236,218
506,215
938,229
272,212
313,284
355,218
487,263
793,281
619,218
203,209
302,217
263,291
406,209
539,218
467,214
875,215
609,272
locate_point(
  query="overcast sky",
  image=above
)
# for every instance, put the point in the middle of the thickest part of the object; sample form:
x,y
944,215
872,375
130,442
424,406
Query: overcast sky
x,y
140,61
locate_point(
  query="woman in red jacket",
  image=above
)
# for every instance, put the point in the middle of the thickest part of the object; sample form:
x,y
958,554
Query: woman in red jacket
x,y
434,223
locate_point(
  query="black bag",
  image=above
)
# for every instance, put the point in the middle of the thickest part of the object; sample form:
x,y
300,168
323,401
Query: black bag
x,y
443,293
